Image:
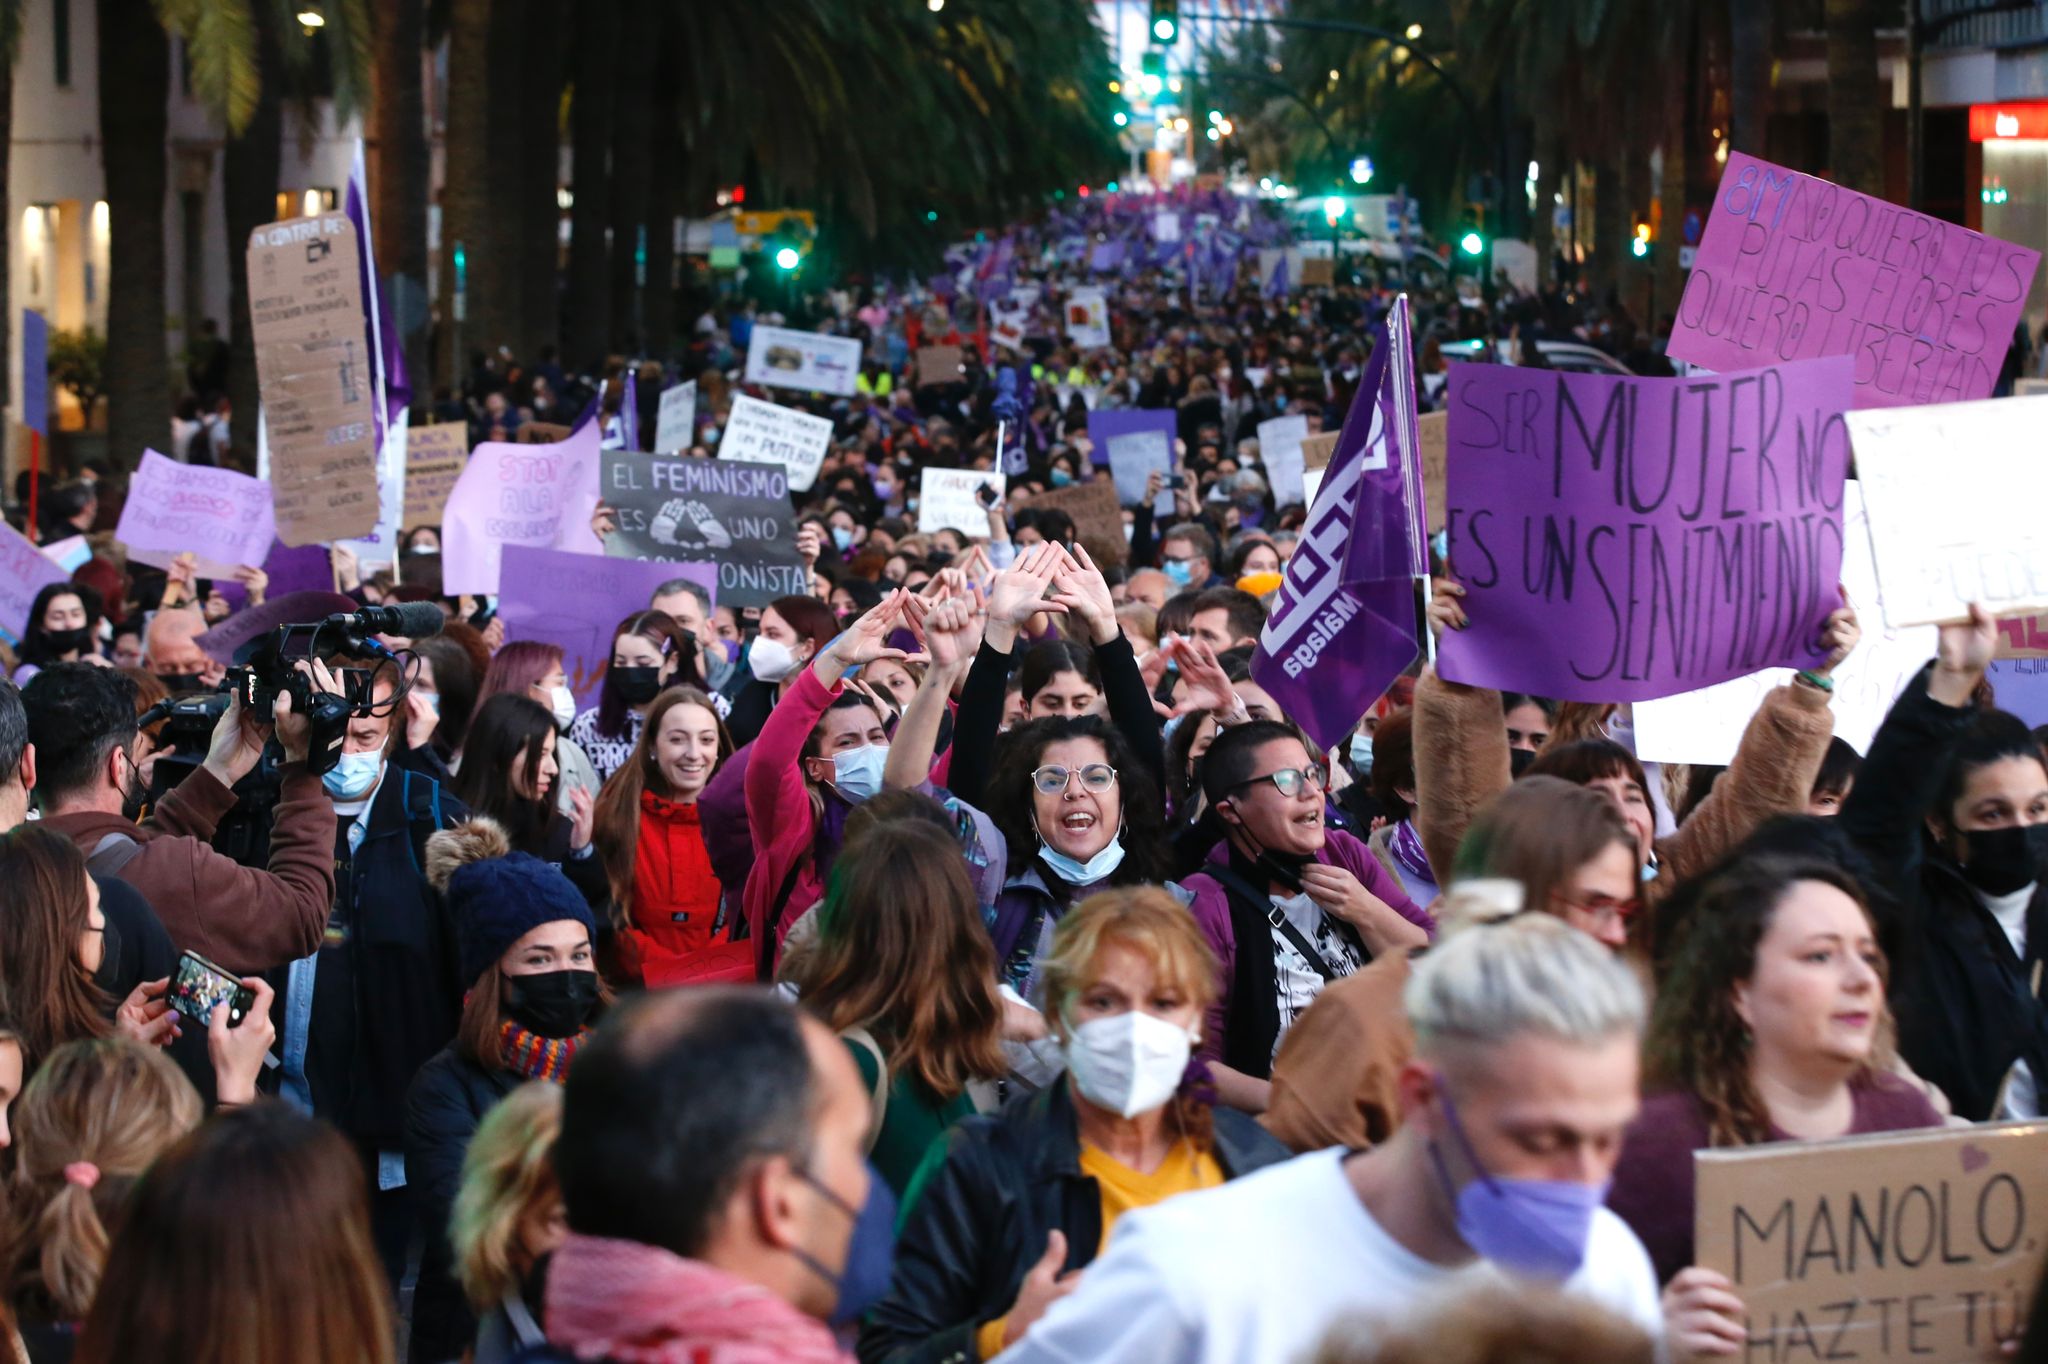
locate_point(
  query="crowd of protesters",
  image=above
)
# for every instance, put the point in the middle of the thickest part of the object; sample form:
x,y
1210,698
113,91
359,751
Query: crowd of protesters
x,y
967,958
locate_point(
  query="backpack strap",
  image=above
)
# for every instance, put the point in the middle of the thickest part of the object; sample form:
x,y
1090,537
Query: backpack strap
x,y
112,853
878,1102
1235,884
422,802
778,910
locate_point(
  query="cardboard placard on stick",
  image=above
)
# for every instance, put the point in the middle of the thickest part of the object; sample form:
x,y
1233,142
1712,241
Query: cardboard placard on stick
x,y
1098,519
1318,272
1907,1245
307,322
434,459
1316,452
540,433
2023,637
1433,432
937,365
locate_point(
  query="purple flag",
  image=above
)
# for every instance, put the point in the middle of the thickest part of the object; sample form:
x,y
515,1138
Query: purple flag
x,y
1622,539
1276,287
385,347
629,412
1343,627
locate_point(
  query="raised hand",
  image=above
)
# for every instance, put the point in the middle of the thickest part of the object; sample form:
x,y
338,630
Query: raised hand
x,y
1839,636
582,817
603,521
146,1016
1966,651
1018,593
1446,606
952,631
1206,686
1080,587
237,1053
808,546
864,641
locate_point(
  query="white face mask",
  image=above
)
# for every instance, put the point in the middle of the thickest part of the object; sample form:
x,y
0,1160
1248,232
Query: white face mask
x,y
1129,1063
563,702
771,660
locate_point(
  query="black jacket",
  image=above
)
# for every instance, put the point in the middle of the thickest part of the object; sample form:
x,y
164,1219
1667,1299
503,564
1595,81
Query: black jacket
x,y
449,1097
981,1222
1965,1012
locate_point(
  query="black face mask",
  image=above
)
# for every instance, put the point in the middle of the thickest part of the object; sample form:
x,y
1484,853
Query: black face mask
x,y
553,1004
2001,861
637,686
177,683
68,641
1519,762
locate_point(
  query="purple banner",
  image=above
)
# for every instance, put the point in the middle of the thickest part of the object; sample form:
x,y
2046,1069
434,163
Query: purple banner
x,y
1343,627
1792,267
575,601
1623,539
1108,424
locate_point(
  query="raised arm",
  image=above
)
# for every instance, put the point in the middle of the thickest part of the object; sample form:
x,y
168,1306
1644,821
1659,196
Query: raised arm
x,y
1082,590
950,628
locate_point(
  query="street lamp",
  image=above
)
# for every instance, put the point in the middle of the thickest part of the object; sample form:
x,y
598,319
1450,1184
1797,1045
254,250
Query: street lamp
x,y
1414,32
1361,170
1334,207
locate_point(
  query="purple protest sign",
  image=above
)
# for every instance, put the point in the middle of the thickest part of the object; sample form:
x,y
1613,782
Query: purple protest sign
x,y
575,601
1106,425
1343,626
24,571
513,494
1623,539
1792,268
223,517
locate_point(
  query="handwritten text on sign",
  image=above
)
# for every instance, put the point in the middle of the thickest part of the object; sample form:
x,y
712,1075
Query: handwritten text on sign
x,y
1625,539
1955,497
769,433
731,513
510,494
220,515
1920,1245
1792,267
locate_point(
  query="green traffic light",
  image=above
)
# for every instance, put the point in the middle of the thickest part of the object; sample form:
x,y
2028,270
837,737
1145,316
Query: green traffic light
x,y
1119,118
1472,243
787,258
1163,29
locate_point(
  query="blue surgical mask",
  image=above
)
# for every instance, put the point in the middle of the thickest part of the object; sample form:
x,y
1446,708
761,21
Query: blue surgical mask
x,y
843,538
1178,571
1536,1227
870,1249
353,776
1061,478
857,772
1077,873
1361,753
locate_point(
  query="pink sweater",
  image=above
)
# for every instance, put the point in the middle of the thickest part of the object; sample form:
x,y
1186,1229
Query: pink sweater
x,y
779,808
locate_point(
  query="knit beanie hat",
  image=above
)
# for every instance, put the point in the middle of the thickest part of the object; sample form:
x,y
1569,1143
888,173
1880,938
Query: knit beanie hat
x,y
497,896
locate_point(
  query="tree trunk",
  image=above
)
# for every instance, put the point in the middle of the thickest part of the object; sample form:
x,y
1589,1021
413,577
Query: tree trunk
x,y
589,302
250,166
539,169
498,267
662,199
135,85
1855,114
399,193
632,164
1749,76
1677,99
465,192
6,249
1543,222
1610,228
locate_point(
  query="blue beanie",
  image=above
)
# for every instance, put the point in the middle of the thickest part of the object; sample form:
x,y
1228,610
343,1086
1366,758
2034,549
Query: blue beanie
x,y
498,901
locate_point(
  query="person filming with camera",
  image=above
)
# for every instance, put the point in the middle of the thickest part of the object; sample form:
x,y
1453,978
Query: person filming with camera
x,y
82,722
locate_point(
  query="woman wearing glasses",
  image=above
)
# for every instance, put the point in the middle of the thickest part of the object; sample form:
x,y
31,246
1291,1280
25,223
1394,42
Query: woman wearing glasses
x,y
1287,905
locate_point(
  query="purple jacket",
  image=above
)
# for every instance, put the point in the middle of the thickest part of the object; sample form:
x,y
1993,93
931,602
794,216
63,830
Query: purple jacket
x,y
1211,908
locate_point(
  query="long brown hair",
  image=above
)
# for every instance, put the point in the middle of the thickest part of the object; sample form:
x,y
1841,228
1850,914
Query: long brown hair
x,y
53,1000
902,952
1697,1042
1539,832
87,1124
616,820
247,1242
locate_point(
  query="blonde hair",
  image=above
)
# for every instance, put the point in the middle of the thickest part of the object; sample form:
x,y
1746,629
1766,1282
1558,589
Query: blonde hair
x,y
1531,974
88,1123
1144,918
508,1175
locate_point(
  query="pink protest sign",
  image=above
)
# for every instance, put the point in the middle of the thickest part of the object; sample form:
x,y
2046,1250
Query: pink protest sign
x,y
1791,267
223,517
24,571
1626,539
511,494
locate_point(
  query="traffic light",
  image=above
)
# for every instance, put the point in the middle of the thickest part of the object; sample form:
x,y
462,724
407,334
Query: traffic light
x,y
1153,64
1641,245
787,258
1165,21
1472,230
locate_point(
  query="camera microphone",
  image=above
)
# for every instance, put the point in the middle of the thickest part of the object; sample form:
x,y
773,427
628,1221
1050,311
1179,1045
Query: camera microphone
x,y
409,620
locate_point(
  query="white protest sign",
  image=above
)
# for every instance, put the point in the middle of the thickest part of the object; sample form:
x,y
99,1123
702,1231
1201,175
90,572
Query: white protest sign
x,y
1133,456
948,498
222,516
1705,726
809,361
675,427
768,434
1166,227
1088,318
1280,451
1955,494
380,546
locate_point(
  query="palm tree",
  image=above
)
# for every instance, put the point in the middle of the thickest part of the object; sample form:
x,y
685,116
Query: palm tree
x,y
588,328
1855,115
398,131
1749,76
466,212
632,163
538,118
10,48
135,86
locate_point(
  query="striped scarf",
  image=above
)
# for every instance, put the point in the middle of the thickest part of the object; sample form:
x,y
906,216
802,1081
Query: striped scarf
x,y
538,1058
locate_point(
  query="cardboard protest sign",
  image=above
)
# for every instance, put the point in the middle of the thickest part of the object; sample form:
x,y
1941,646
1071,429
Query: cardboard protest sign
x,y
810,361
434,458
1318,271
1907,1245
1098,519
1791,267
1434,430
937,365
312,364
734,514
2023,637
951,498
543,433
1136,443
1705,726
1088,318
771,434
511,494
1315,459
675,422
23,573
1955,495
1280,453
1621,539
222,516
574,601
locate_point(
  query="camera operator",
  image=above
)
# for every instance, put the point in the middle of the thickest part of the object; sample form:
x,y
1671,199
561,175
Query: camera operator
x,y
248,920
383,993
